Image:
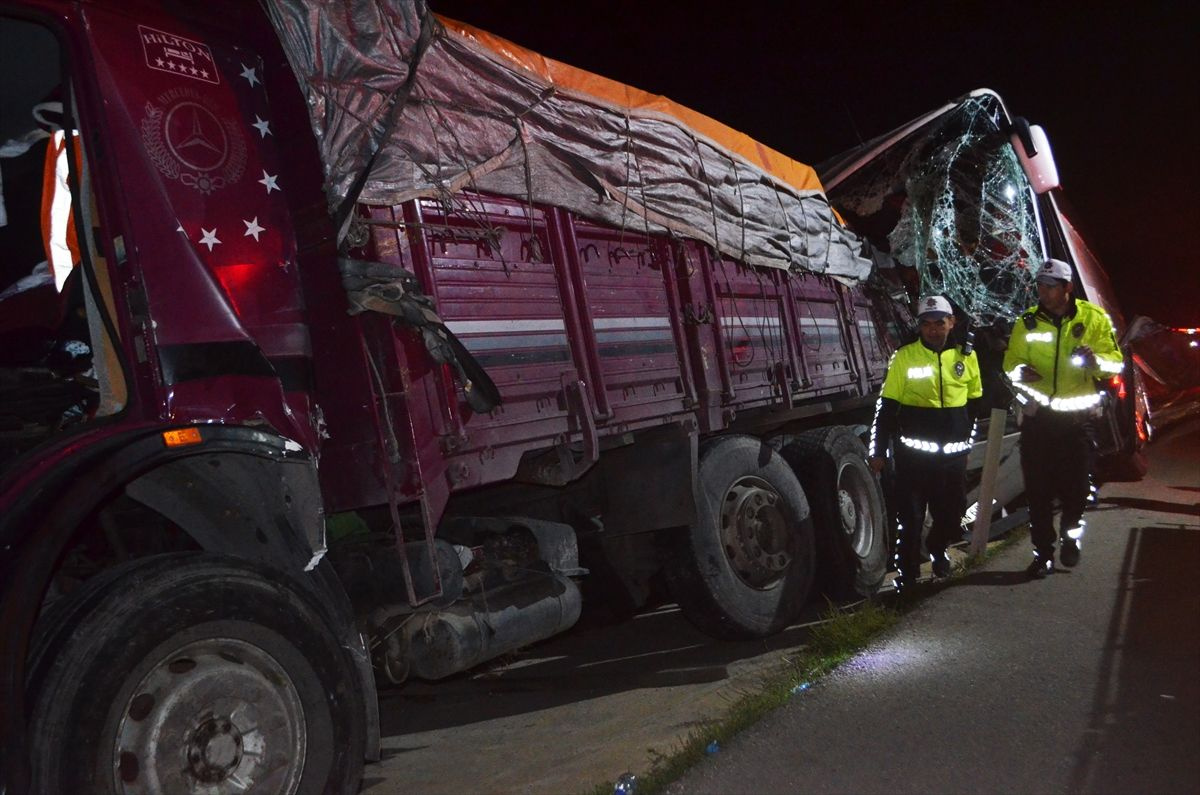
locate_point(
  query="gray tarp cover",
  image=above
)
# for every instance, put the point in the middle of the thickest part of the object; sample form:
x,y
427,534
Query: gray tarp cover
x,y
474,122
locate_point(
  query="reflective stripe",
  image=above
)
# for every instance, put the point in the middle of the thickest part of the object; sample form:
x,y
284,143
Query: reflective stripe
x,y
1077,403
873,450
925,446
920,444
511,326
62,259
1104,365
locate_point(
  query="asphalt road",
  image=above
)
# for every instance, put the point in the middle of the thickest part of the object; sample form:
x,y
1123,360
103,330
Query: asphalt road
x,y
1085,682
1088,681
572,712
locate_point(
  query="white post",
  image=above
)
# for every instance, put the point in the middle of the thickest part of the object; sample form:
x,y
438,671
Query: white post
x,y
987,483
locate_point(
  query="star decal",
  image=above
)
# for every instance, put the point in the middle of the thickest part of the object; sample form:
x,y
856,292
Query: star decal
x,y
248,73
253,229
210,238
262,125
270,182
181,229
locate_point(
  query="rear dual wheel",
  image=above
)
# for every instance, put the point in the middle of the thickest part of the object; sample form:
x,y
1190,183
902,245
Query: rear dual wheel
x,y
848,509
744,568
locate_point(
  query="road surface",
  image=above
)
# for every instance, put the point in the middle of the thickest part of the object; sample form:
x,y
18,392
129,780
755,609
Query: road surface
x,y
1087,681
1084,682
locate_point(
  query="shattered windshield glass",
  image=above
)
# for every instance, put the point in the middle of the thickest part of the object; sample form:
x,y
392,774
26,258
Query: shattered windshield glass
x,y
953,203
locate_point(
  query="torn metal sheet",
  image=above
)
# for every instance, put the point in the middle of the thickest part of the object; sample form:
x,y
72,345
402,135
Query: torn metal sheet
x,y
475,119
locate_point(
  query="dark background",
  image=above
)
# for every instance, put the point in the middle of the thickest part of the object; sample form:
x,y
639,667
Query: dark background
x,y
1115,85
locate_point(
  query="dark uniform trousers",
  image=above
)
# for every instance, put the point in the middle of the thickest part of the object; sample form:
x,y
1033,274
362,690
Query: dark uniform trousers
x,y
933,481
1056,458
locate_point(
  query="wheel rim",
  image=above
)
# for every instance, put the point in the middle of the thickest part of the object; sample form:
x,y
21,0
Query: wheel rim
x,y
854,509
754,532
215,716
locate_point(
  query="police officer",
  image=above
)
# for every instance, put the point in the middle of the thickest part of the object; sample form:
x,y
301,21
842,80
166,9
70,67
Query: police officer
x,y
925,415
1057,351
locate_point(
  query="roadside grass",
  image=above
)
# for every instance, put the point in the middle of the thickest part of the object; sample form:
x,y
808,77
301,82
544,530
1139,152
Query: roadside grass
x,y
1014,536
841,632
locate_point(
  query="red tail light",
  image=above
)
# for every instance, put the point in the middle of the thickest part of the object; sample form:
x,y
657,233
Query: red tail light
x,y
1119,383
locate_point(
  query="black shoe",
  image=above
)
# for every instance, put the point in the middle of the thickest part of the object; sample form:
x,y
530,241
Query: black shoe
x,y
941,564
1068,553
1041,568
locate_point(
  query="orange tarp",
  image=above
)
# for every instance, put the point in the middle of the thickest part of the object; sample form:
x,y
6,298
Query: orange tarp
x,y
578,81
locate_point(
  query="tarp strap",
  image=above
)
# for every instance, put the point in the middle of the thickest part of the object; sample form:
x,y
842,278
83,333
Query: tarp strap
x,y
399,99
631,157
535,247
737,185
712,205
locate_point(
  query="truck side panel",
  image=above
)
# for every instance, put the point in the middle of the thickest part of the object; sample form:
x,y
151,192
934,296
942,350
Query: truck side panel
x,y
633,322
591,332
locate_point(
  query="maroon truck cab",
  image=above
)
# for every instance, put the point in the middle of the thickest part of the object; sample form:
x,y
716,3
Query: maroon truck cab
x,y
182,310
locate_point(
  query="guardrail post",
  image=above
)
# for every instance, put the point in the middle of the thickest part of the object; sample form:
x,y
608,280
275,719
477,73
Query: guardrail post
x,y
987,483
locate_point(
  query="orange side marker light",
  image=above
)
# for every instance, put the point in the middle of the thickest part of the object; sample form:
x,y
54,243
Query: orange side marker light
x,y
182,437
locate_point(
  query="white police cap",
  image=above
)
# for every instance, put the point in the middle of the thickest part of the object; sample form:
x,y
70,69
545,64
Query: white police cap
x,y
934,306
1054,269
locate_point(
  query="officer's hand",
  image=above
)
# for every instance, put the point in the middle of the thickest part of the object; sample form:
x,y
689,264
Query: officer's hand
x,y
1084,356
877,464
1028,375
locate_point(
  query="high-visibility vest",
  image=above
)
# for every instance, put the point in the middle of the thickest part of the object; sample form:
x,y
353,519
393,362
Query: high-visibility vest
x,y
1048,345
58,222
932,389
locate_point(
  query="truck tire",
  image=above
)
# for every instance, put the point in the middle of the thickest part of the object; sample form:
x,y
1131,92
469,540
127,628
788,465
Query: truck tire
x,y
193,672
744,568
848,509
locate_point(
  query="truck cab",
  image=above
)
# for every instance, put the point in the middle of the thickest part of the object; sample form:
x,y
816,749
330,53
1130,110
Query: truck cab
x,y
154,346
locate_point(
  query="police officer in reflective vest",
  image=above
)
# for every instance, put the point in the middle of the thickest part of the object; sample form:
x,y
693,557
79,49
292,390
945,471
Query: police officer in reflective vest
x,y
925,414
1057,351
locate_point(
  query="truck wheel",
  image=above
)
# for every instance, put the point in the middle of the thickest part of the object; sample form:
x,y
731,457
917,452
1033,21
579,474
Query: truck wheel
x,y
848,509
194,673
745,567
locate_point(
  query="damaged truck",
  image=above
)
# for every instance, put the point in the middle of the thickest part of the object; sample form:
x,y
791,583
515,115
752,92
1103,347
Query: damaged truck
x,y
342,344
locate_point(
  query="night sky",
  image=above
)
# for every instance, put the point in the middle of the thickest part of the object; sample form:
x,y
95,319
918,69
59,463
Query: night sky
x,y
1116,86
